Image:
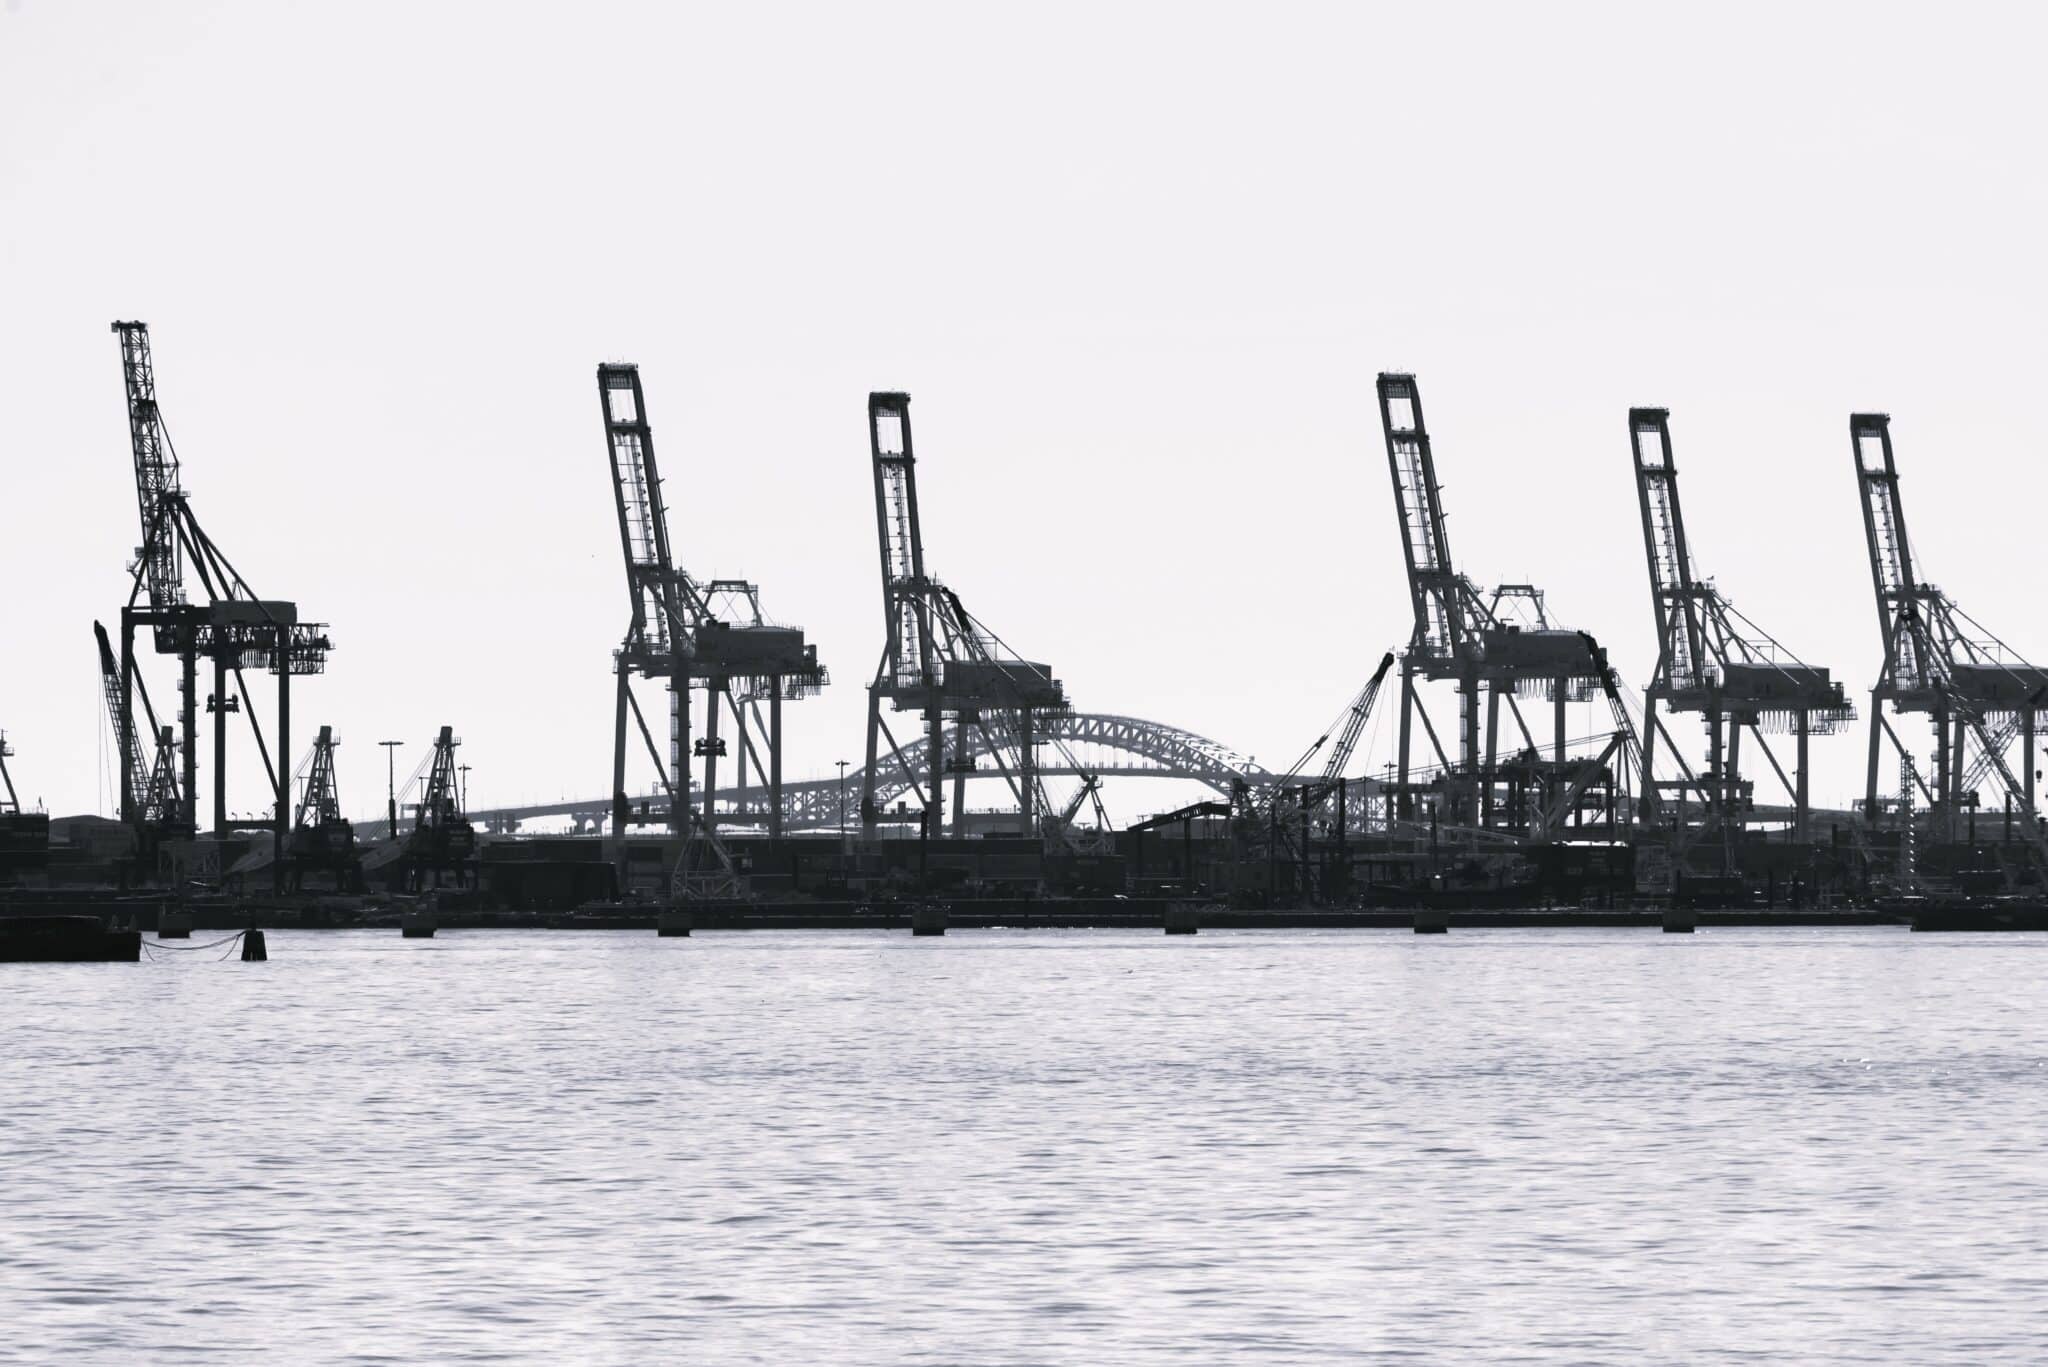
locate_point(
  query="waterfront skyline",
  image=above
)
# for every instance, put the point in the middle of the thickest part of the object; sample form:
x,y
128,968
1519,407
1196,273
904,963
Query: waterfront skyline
x,y
1139,287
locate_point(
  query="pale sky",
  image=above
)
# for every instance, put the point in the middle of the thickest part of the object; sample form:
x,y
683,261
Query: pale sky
x,y
1137,265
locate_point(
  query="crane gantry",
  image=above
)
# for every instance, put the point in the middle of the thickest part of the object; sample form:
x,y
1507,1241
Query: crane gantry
x,y
938,659
1713,661
1495,647
1976,691
232,628
690,634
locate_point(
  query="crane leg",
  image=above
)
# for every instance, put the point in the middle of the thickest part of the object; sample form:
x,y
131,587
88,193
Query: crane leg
x,y
1730,795
1557,742
1468,747
619,709
282,816
679,749
1646,800
935,756
2027,756
1800,821
1492,753
189,682
711,696
775,761
867,774
130,813
739,727
1943,827
1405,802
1957,748
960,786
1027,763
220,746
1717,784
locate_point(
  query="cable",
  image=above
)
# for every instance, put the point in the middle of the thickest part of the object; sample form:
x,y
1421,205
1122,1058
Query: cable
x,y
190,949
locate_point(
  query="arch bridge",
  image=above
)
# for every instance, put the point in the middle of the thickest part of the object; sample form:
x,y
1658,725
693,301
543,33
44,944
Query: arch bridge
x,y
1096,743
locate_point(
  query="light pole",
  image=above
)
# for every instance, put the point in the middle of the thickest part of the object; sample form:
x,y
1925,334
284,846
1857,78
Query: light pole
x,y
842,802
462,796
391,783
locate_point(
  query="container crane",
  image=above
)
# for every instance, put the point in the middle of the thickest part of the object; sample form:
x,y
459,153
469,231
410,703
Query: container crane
x,y
1939,663
233,628
1495,647
937,658
1713,661
690,635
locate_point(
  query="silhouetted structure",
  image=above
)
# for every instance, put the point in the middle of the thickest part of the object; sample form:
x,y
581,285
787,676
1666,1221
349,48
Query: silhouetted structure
x,y
24,836
688,634
1496,646
149,786
1938,663
938,660
1713,661
322,839
233,628
441,840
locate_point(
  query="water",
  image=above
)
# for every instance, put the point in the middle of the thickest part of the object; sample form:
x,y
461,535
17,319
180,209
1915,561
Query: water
x,y
1009,1147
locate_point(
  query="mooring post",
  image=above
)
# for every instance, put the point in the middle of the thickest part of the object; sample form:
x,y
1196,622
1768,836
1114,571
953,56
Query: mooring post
x,y
253,948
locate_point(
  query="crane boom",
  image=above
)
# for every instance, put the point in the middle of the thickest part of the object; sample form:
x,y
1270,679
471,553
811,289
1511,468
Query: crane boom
x,y
1674,592
156,475
651,577
1354,721
321,803
1904,605
134,772
907,592
1448,615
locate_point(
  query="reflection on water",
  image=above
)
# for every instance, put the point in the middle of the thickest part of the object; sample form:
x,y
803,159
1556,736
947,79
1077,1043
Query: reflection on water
x,y
1011,1147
